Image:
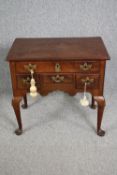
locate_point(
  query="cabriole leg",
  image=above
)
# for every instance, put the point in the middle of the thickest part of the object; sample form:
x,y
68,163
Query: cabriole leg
x,y
101,105
25,105
93,105
16,107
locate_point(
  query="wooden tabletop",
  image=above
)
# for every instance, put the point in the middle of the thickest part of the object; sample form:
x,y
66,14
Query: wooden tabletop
x,y
57,48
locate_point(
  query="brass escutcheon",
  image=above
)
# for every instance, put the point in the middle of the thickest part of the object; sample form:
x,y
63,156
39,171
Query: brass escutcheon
x,y
87,80
85,67
57,67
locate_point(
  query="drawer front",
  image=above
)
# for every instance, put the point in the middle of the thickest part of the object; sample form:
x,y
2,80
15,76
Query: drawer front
x,y
46,67
87,66
58,78
58,66
92,81
51,82
23,81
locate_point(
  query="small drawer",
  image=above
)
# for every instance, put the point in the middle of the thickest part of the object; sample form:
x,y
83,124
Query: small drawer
x,y
58,78
23,81
46,66
87,66
92,81
63,82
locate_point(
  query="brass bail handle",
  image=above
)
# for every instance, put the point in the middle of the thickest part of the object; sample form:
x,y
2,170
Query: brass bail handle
x,y
30,67
85,66
26,80
57,78
87,80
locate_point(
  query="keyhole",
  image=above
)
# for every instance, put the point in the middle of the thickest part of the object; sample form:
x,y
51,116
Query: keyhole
x,y
57,67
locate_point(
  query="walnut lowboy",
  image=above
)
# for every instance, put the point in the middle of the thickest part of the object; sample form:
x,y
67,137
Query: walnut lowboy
x,y
58,64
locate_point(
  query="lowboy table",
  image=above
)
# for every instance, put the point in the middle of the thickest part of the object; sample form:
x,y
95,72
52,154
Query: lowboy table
x,y
59,64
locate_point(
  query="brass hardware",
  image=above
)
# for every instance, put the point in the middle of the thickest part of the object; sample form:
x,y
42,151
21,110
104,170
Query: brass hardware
x,y
30,67
87,80
26,80
57,67
57,78
85,67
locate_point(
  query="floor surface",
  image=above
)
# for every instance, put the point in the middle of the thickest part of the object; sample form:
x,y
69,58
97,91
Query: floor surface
x,y
59,137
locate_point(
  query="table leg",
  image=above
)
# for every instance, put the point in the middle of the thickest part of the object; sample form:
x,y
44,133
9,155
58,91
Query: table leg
x,y
25,105
93,105
101,104
16,107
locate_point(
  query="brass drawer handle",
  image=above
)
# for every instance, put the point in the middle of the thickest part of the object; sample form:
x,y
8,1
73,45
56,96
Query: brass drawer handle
x,y
85,67
57,67
30,67
57,78
26,80
87,80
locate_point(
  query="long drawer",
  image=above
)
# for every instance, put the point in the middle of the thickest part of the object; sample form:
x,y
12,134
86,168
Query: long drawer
x,y
58,66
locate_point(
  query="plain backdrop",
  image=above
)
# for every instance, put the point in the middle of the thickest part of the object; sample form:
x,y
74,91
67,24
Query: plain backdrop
x,y
58,18
59,134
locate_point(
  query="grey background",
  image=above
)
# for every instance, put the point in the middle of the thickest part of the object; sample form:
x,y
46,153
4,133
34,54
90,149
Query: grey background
x,y
59,134
58,18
